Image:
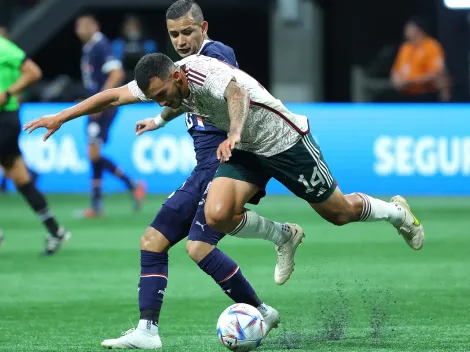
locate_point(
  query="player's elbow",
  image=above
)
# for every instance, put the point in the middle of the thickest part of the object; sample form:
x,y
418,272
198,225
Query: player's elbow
x,y
37,74
32,70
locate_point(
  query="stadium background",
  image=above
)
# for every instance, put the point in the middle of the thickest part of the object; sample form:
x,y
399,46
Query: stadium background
x,y
356,288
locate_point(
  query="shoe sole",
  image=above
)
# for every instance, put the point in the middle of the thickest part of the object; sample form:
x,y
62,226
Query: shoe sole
x,y
109,347
302,237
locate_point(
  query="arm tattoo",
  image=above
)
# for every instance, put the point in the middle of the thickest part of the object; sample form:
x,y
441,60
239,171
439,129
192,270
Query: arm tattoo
x,y
238,100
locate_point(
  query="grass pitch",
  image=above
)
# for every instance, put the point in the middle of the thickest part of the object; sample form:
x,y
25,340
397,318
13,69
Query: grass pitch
x,y
355,288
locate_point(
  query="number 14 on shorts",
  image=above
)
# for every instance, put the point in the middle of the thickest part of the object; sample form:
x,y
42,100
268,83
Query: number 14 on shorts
x,y
316,179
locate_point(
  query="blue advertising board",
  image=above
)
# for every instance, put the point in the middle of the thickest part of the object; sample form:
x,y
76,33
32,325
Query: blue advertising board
x,y
372,148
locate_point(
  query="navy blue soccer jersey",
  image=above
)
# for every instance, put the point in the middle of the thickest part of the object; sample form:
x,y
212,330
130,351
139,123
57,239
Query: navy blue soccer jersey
x,y
97,61
207,137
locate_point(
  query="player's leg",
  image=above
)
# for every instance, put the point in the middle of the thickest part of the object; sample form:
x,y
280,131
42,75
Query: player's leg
x,y
201,247
3,182
309,177
18,173
167,229
236,183
15,169
94,152
232,188
137,190
170,226
340,209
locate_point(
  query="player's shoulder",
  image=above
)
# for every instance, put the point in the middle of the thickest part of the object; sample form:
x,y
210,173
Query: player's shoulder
x,y
7,44
219,51
10,50
101,42
217,47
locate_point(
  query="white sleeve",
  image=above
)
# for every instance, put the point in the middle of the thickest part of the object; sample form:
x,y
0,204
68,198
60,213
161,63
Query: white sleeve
x,y
111,64
136,92
217,81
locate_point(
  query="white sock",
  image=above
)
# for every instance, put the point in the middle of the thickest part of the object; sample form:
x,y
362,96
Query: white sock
x,y
148,327
255,226
377,210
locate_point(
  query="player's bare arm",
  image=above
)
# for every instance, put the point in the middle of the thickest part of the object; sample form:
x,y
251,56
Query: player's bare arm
x,y
30,73
97,103
115,78
154,123
238,101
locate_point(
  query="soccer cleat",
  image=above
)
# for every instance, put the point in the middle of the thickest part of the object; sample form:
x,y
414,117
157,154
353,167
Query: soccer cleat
x,y
134,339
53,243
285,254
88,214
411,229
138,195
272,319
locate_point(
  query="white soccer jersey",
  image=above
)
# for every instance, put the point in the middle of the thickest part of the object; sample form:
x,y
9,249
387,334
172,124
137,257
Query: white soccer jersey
x,y
270,127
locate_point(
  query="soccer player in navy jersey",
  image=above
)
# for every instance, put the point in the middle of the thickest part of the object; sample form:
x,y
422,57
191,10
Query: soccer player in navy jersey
x,y
101,71
183,211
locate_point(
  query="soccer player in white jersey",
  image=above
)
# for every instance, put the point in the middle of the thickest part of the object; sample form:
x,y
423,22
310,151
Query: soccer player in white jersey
x,y
265,140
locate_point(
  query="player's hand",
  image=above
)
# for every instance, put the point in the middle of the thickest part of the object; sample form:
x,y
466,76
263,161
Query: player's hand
x,y
145,125
224,152
51,122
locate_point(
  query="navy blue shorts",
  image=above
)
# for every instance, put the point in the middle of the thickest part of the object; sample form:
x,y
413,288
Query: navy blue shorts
x,y
98,129
182,214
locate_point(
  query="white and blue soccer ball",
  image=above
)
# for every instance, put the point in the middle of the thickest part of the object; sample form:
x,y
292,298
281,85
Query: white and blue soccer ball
x,y
241,327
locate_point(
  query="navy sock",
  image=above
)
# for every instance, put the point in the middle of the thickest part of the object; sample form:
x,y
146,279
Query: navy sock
x,y
96,192
152,285
37,201
111,167
229,277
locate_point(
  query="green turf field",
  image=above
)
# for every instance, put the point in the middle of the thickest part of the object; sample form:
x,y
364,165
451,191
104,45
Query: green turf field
x,y
356,288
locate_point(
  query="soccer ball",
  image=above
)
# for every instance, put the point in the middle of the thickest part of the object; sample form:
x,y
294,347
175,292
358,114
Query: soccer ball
x,y
241,327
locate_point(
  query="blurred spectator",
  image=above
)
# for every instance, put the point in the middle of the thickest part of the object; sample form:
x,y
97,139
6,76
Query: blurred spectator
x,y
132,45
418,73
3,32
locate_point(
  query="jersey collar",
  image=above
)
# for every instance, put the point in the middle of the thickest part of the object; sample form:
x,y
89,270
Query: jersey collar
x,y
94,39
204,43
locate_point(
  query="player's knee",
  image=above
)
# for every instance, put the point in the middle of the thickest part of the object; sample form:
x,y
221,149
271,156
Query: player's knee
x,y
219,216
93,153
198,250
154,241
17,171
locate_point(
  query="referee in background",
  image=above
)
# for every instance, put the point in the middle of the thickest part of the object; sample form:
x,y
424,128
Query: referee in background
x,y
34,175
18,72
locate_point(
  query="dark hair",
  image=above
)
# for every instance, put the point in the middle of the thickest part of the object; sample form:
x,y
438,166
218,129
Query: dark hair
x,y
181,7
150,66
